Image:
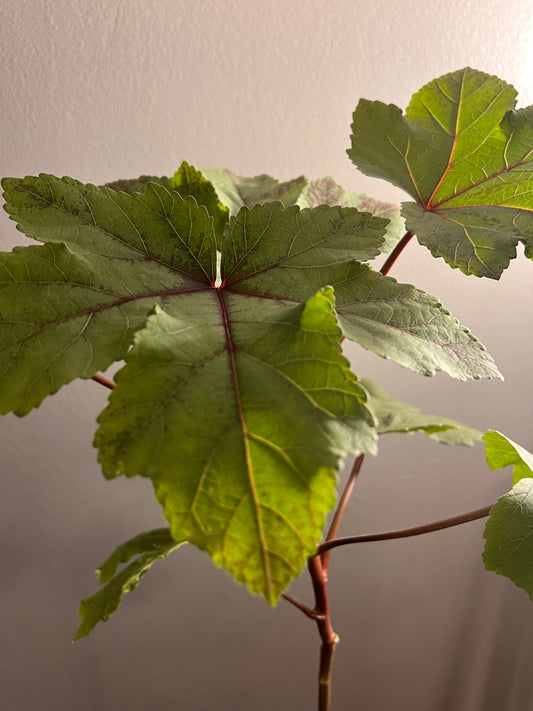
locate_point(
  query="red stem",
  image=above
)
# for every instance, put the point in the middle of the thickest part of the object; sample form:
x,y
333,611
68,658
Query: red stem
x,y
339,512
407,532
103,381
393,256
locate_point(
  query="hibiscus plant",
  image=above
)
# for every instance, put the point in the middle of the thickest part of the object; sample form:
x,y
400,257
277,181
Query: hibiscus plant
x,y
228,300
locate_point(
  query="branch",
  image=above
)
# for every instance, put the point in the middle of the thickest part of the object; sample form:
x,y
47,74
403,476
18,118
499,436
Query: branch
x,y
103,381
393,256
339,512
406,532
300,605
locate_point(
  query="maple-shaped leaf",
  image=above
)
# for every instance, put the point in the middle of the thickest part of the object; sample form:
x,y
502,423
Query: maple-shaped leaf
x,y
71,307
509,530
466,156
395,416
236,399
325,191
146,548
240,414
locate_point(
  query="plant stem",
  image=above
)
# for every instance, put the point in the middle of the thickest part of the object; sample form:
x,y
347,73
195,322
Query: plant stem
x,y
300,605
407,532
103,381
339,512
329,638
393,256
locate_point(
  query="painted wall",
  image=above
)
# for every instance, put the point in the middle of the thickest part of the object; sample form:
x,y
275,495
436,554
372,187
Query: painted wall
x,y
118,88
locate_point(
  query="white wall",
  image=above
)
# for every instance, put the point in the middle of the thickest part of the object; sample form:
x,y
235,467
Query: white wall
x,y
117,88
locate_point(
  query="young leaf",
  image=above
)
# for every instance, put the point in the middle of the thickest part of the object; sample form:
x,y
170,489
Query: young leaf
x,y
502,452
240,411
465,156
188,181
508,533
395,416
235,192
326,191
149,547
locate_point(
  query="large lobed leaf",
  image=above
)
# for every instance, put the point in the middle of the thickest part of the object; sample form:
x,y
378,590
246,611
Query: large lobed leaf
x,y
235,399
242,440
509,530
465,155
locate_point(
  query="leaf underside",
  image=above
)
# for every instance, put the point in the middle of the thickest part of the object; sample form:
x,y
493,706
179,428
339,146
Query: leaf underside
x,y
465,155
235,391
509,530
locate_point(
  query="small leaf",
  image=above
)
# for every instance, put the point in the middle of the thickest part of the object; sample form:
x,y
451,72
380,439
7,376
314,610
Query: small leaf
x,y
188,181
326,191
509,536
240,413
149,547
136,185
395,416
466,156
502,452
235,192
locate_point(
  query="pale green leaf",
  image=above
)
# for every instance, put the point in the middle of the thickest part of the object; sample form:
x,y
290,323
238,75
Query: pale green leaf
x,y
240,413
149,547
395,416
503,452
509,536
235,191
325,191
466,156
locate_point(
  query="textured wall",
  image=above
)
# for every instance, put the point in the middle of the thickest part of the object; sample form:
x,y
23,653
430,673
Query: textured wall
x,y
117,88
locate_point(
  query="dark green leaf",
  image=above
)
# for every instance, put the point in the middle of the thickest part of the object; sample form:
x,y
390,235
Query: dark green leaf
x,y
395,416
136,185
149,547
240,413
68,310
465,156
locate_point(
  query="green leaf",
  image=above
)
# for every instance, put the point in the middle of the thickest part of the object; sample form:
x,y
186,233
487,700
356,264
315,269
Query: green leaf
x,y
149,547
465,155
326,191
136,185
236,399
509,530
68,310
235,192
241,438
502,452
191,182
395,416
508,533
